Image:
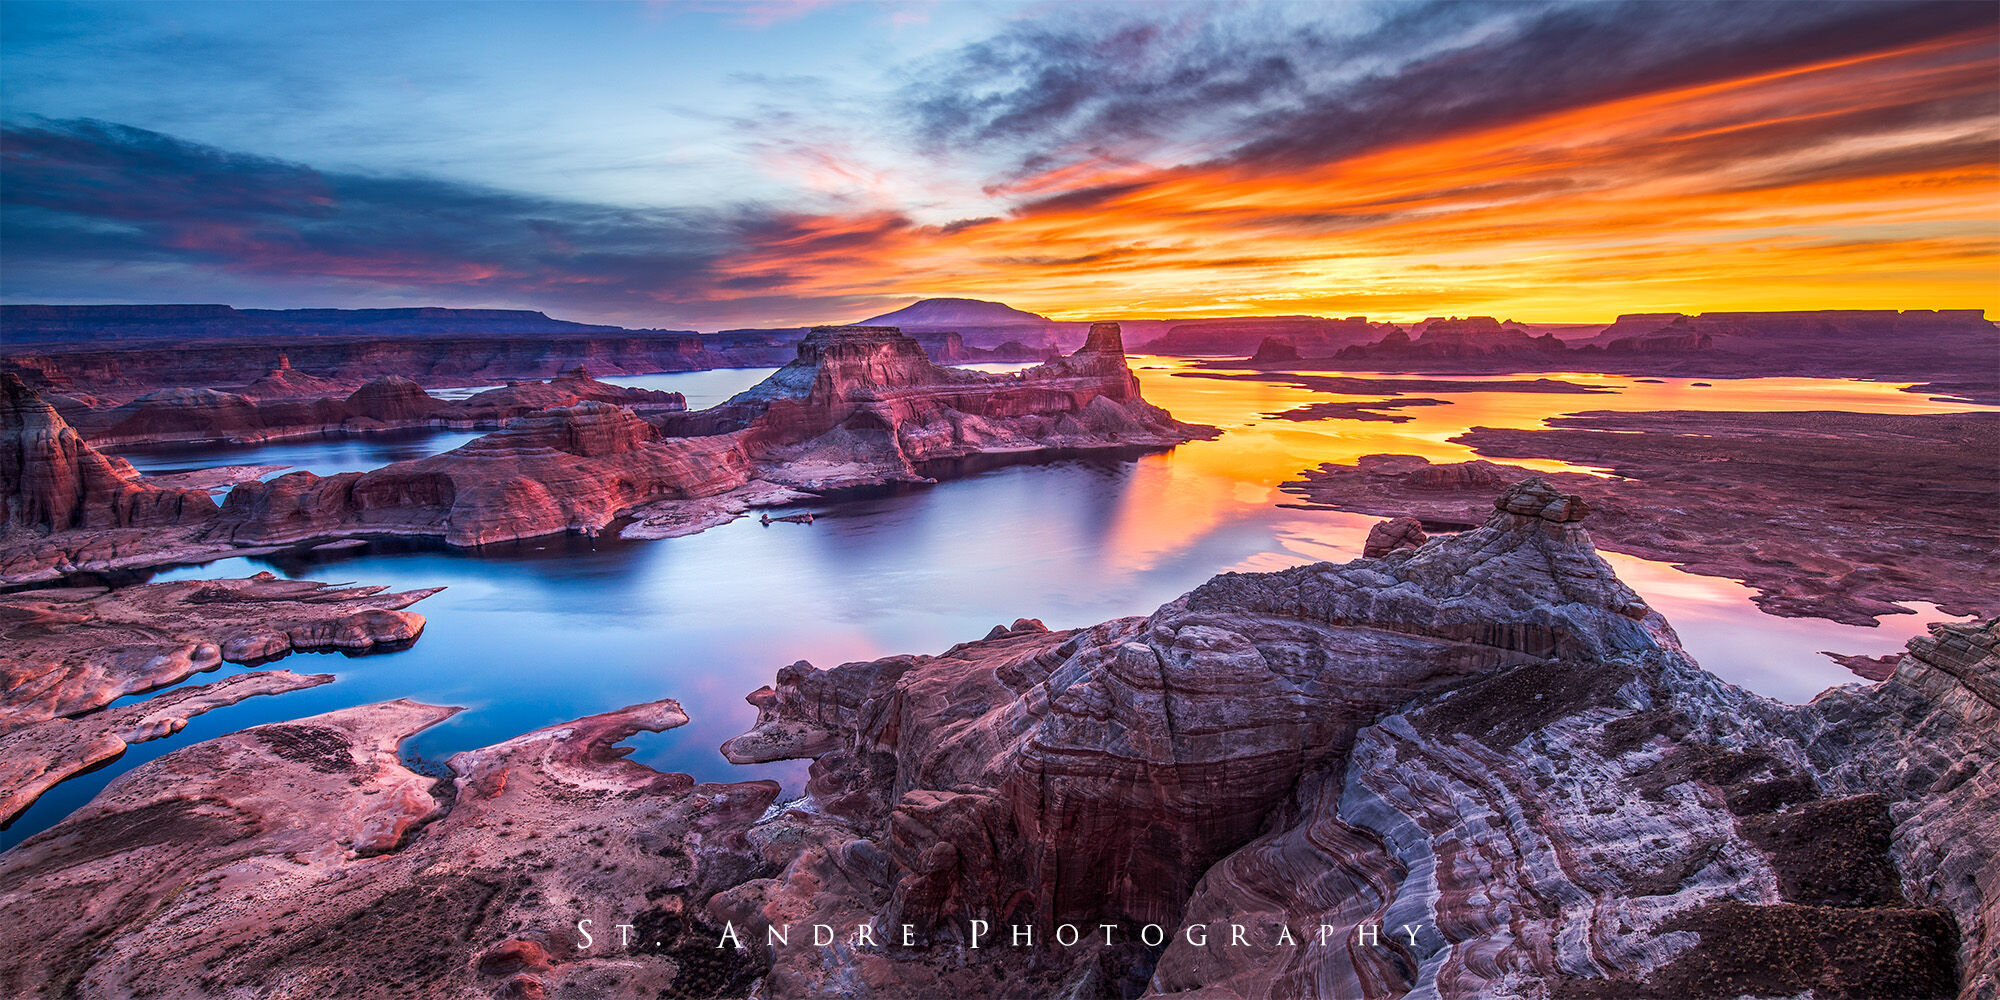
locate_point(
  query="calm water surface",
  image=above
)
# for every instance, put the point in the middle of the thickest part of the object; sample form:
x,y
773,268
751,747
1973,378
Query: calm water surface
x,y
535,633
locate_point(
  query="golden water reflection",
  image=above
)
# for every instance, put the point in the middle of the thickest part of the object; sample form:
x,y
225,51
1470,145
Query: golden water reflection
x,y
1205,487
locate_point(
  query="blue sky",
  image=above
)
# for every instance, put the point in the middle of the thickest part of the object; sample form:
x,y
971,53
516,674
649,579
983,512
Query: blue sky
x,y
714,164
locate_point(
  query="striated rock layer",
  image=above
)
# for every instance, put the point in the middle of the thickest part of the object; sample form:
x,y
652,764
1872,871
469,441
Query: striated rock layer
x,y
1477,767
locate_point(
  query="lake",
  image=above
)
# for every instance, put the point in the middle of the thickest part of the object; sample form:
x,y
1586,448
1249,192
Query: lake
x,y
538,632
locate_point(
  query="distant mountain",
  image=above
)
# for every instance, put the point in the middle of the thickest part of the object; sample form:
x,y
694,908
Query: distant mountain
x,y
938,313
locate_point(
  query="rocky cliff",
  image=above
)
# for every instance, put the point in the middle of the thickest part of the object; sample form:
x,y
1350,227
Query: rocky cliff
x,y
572,468
1485,746
866,405
54,481
1479,766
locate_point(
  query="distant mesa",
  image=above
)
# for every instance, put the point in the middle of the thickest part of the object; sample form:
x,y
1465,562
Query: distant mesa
x,y
926,314
1275,349
980,324
857,406
62,323
1311,336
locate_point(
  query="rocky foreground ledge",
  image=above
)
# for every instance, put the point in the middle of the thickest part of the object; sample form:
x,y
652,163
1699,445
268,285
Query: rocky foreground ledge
x,y
71,651
1485,746
859,406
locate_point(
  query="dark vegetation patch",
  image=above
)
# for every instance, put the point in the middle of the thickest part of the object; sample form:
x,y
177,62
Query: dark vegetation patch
x,y
1675,872
406,942
1504,708
1751,781
702,969
179,821
1784,950
1833,853
324,750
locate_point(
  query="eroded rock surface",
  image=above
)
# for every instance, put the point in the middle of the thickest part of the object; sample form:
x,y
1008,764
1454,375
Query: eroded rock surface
x,y
304,858
70,650
858,406
39,755
1486,746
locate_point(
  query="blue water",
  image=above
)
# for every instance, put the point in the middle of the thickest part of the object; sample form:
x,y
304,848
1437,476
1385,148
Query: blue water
x,y
325,455
539,632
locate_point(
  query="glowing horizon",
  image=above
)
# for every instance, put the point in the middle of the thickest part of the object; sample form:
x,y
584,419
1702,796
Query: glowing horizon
x,y
1560,165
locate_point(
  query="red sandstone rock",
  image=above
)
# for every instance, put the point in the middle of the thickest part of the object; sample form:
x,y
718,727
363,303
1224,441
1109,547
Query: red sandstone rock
x,y
316,862
285,382
1486,743
53,481
39,755
858,406
71,650
1396,533
385,403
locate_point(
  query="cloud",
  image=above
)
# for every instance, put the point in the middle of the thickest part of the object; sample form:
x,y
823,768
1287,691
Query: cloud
x,y
102,194
1219,84
1552,160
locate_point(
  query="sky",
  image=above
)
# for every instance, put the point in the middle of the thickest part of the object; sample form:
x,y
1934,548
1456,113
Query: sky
x,y
706,165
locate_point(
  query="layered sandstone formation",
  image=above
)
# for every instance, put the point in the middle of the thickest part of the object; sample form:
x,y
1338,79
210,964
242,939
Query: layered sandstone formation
x,y
572,468
864,405
857,406
71,651
1485,746
1826,514
63,503
1249,755
285,382
54,481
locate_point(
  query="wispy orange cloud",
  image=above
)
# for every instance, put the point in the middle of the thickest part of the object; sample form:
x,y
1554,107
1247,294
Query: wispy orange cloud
x,y
1861,181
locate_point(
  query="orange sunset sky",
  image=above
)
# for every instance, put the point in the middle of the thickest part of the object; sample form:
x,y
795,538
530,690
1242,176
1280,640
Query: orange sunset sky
x,y
1551,163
